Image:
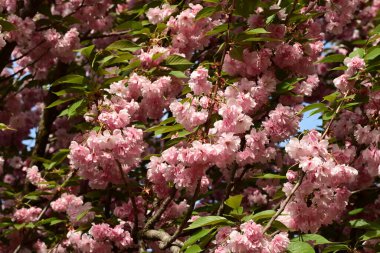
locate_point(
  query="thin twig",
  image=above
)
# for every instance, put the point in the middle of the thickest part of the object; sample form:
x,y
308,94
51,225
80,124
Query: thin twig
x,y
27,52
334,116
134,205
157,215
105,35
163,237
186,218
18,248
228,189
283,205
219,70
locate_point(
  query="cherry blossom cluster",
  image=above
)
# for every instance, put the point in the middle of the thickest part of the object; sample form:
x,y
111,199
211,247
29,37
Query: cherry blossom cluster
x,y
74,207
249,238
193,114
323,194
105,157
101,237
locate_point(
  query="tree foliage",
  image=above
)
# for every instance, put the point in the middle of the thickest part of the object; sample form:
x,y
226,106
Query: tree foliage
x,y
173,126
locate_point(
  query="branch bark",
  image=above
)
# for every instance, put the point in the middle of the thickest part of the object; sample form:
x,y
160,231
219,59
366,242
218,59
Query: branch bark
x,y
228,189
164,238
48,117
186,218
283,205
157,215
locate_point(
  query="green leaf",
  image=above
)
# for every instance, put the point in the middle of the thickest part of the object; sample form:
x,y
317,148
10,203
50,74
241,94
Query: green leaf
x,y
271,176
331,97
353,104
263,215
288,84
124,45
74,108
234,201
343,68
237,53
130,25
332,58
300,247
86,51
195,237
312,107
357,52
36,194
56,221
31,197
60,155
206,239
363,224
19,226
261,39
5,224
270,19
336,248
51,221
167,121
207,12
4,127
370,235
376,30
178,74
207,221
372,53
356,211
164,129
111,59
314,238
134,64
256,31
193,249
218,29
71,89
82,214
6,26
245,8
328,115
71,79
177,62
60,101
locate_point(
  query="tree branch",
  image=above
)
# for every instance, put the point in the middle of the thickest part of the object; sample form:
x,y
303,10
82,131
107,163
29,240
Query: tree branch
x,y
134,205
228,189
334,116
157,215
283,205
48,117
164,238
69,176
187,216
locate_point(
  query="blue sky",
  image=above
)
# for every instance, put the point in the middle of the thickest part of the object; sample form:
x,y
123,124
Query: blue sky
x,y
310,122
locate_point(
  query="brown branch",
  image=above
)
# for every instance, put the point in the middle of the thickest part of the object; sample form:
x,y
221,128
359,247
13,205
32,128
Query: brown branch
x,y
69,176
297,185
228,189
48,117
134,205
164,238
5,54
105,35
186,218
334,116
157,215
284,204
